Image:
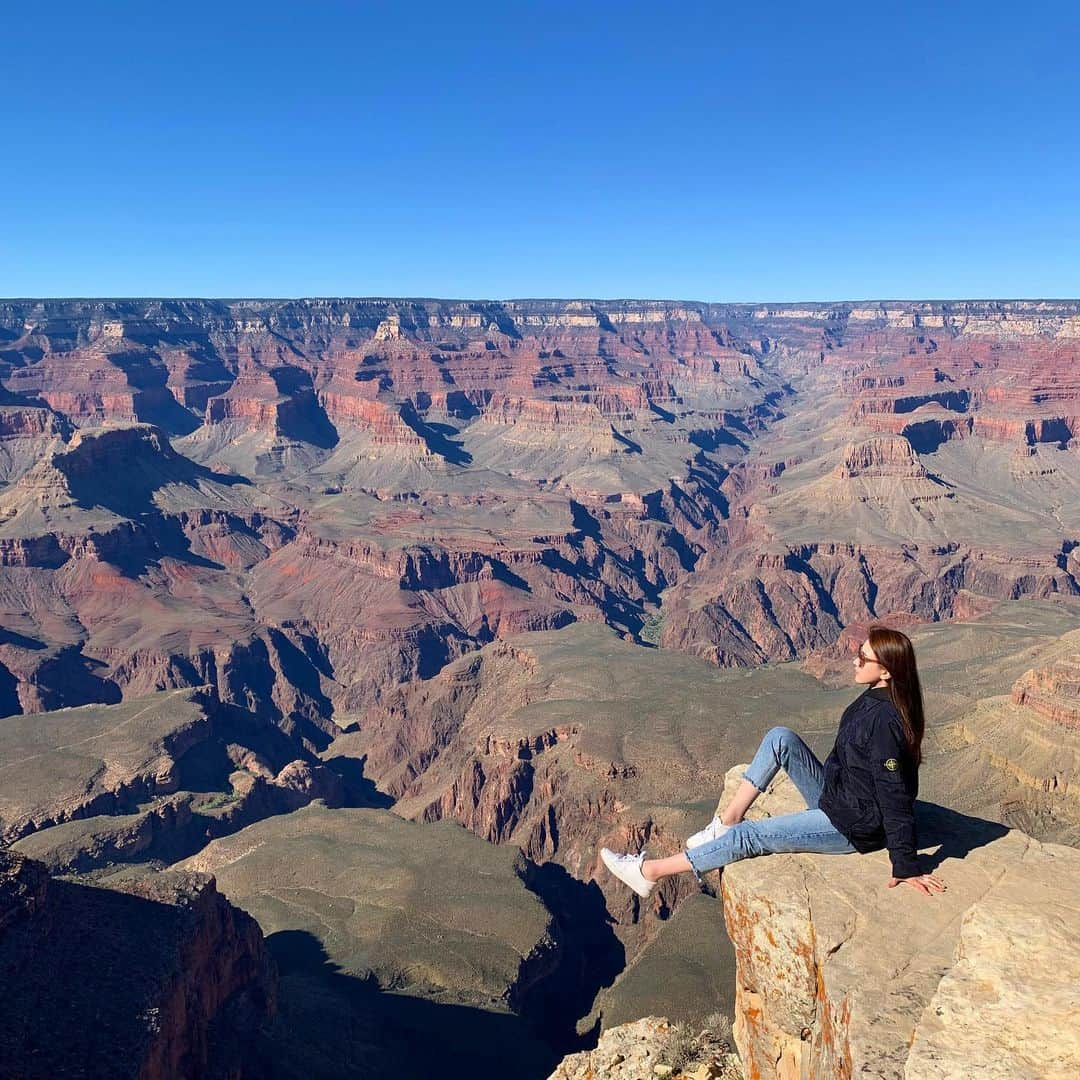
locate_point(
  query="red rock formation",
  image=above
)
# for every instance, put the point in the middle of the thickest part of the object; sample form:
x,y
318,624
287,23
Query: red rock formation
x,y
777,605
883,456
301,782
1052,692
1000,384
420,476
20,422
584,420
445,748
383,423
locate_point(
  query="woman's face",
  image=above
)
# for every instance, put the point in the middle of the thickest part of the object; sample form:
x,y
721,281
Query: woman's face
x,y
867,670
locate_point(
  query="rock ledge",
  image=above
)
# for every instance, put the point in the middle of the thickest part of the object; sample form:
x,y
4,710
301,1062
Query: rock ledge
x,y
840,976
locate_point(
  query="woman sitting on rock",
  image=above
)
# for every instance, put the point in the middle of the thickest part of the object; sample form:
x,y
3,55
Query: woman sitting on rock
x,y
861,799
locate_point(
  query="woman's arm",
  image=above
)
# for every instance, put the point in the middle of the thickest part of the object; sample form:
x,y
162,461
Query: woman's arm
x,y
888,761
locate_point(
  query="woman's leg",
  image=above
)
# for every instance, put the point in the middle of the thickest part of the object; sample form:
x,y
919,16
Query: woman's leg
x,y
780,749
809,830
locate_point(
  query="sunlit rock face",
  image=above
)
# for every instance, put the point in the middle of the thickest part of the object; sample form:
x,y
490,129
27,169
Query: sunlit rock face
x,y
838,975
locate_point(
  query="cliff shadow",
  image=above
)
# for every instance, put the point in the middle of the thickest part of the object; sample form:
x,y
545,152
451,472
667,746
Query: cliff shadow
x,y
331,1024
148,467
302,416
591,958
160,408
10,705
360,790
20,641
585,521
69,679
955,834
501,572
437,437
154,401
85,972
460,407
928,436
165,539
713,438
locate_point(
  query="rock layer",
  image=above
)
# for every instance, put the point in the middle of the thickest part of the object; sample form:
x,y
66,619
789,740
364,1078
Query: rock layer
x,y
150,778
839,976
500,467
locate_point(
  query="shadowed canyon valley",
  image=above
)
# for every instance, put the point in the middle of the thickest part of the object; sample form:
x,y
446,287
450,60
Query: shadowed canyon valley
x,y
336,637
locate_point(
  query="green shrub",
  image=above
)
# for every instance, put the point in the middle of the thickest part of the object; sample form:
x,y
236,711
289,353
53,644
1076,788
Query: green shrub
x,y
652,627
221,799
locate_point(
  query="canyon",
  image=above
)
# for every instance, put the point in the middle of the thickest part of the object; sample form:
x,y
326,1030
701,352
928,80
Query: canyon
x,y
291,585
325,499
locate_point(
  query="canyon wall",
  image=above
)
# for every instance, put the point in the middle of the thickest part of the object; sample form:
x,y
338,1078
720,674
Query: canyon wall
x,y
840,976
323,499
167,984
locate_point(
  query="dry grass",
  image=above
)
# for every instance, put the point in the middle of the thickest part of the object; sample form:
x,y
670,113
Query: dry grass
x,y
686,1048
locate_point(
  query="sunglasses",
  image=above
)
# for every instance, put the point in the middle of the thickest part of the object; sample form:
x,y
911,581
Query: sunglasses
x,y
864,659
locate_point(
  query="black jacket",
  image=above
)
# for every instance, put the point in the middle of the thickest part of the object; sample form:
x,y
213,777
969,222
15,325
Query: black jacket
x,y
871,781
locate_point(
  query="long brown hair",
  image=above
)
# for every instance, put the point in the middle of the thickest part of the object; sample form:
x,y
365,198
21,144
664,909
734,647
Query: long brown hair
x,y
897,655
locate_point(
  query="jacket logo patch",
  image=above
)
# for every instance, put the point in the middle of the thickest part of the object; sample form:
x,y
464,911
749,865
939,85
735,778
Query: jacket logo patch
x,y
892,764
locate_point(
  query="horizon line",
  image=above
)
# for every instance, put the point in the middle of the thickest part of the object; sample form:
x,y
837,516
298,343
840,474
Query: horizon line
x,y
345,297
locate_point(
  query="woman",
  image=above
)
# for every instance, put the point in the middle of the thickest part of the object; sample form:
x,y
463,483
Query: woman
x,y
861,799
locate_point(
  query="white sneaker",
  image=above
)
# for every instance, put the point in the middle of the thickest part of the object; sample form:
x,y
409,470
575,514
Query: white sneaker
x,y
627,868
713,831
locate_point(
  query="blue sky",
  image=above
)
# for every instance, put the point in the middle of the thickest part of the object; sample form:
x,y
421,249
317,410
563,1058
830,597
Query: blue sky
x,y
701,151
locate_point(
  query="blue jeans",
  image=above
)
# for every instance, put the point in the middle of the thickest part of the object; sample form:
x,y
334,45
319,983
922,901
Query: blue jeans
x,y
809,830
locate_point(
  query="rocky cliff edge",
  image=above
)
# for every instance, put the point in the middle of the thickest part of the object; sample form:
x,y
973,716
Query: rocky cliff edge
x,y
157,977
838,975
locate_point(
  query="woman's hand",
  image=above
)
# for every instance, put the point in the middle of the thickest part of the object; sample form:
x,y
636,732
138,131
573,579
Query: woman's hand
x,y
925,883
